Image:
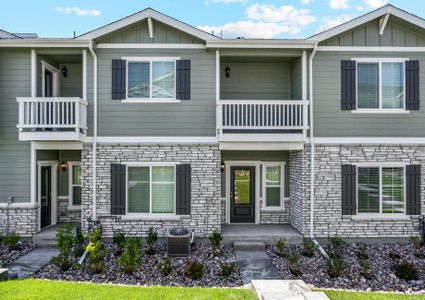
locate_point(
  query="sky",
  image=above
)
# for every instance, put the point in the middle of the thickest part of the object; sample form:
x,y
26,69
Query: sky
x,y
231,18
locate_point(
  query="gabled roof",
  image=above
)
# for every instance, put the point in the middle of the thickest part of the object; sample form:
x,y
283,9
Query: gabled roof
x,y
144,14
382,11
7,35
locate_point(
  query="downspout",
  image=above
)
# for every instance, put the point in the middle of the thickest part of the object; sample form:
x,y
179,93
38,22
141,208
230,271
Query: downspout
x,y
312,154
94,158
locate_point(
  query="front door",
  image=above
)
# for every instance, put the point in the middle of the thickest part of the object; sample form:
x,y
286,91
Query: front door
x,y
242,194
48,84
46,195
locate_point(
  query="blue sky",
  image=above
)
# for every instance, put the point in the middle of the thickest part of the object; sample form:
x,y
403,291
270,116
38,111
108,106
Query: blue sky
x,y
248,18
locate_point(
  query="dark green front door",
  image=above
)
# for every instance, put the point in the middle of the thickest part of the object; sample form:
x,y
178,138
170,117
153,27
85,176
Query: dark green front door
x,y
46,196
242,194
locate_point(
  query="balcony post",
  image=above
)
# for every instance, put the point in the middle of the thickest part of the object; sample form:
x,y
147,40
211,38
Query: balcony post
x,y
218,111
304,92
84,74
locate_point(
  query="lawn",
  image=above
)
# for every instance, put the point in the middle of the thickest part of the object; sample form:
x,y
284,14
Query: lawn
x,y
43,289
345,295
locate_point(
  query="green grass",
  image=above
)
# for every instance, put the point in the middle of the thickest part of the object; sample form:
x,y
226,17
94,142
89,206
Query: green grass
x,y
43,289
345,295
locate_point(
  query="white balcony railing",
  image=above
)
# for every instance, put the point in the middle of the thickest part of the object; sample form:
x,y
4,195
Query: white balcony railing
x,y
262,114
57,115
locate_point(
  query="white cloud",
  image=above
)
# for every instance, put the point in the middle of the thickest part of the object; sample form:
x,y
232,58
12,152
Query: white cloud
x,y
225,1
360,8
286,14
306,1
339,4
78,11
250,29
375,3
329,22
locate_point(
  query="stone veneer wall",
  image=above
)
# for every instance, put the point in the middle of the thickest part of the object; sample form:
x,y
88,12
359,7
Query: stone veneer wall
x,y
328,219
205,164
23,220
66,215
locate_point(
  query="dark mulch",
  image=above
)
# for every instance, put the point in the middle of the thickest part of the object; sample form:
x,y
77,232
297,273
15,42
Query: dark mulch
x,y
7,256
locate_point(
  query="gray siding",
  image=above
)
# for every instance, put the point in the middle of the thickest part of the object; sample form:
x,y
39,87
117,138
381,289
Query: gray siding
x,y
252,80
195,117
330,121
397,33
71,86
296,80
15,82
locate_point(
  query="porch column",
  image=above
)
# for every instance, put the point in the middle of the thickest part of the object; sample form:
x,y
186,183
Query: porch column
x,y
84,74
304,91
217,94
33,73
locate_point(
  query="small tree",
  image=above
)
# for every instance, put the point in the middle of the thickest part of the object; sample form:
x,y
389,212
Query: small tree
x,y
281,247
151,239
130,258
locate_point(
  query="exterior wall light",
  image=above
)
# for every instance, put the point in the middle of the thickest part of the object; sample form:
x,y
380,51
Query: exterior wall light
x,y
64,166
227,72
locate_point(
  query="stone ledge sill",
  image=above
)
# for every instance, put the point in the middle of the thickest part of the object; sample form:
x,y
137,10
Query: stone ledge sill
x,y
19,206
381,218
151,218
73,208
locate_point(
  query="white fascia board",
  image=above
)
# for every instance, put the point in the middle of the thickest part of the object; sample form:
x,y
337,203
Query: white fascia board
x,y
370,140
149,46
44,43
260,44
369,49
137,17
387,9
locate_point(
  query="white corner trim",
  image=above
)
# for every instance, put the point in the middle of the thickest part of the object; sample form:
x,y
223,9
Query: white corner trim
x,y
163,140
370,140
149,46
380,111
369,49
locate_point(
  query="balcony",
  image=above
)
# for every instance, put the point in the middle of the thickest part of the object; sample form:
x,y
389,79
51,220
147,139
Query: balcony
x,y
52,119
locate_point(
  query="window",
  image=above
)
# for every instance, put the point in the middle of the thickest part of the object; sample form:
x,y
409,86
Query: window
x,y
151,189
151,80
380,84
273,185
74,184
381,190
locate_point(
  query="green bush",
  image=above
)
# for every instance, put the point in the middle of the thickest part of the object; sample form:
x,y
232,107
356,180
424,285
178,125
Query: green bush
x,y
366,268
11,240
309,247
394,255
129,260
151,239
65,240
96,256
64,263
406,270
362,250
119,239
294,264
336,246
95,235
227,269
215,238
416,242
79,241
165,267
335,266
281,247
194,270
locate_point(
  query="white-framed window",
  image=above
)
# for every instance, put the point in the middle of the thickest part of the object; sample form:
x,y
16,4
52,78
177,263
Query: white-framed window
x,y
273,185
380,84
381,189
151,79
74,187
151,188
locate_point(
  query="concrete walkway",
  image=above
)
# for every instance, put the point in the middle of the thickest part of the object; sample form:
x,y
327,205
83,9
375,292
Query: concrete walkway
x,y
31,262
285,290
253,262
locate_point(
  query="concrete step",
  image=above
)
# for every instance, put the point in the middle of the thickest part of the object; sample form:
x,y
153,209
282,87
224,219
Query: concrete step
x,y
285,290
249,245
268,240
294,296
45,244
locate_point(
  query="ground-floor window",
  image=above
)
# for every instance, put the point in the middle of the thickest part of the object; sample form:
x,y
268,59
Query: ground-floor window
x,y
273,177
151,189
381,190
75,183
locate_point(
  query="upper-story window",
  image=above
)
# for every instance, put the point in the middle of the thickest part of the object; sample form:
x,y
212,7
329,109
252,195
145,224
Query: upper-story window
x,y
154,79
380,84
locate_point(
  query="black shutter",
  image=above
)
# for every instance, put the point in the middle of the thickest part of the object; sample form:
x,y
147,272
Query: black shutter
x,y
118,79
412,84
183,79
118,182
183,189
348,84
413,190
349,190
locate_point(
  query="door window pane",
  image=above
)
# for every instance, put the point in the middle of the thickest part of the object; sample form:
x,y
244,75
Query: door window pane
x,y
273,186
138,190
139,80
242,186
368,85
393,190
392,85
163,81
368,190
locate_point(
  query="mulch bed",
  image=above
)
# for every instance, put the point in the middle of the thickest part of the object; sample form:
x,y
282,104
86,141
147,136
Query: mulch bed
x,y
7,256
383,279
149,273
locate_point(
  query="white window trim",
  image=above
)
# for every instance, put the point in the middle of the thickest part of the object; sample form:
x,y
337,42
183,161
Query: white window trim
x,y
150,99
46,66
379,61
380,166
71,205
282,186
150,165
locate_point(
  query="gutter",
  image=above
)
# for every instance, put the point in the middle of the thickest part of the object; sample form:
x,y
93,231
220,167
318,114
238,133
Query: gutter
x,y
312,155
94,142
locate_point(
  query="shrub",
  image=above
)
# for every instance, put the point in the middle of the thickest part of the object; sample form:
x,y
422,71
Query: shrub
x,y
119,240
79,241
416,242
151,239
95,235
394,255
65,240
194,270
227,269
11,240
215,238
129,260
335,266
64,263
309,247
165,267
406,270
336,246
294,264
362,251
96,255
281,247
366,268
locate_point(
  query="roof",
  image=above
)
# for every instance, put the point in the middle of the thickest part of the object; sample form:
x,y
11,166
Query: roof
x,y
377,13
7,35
26,35
144,14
